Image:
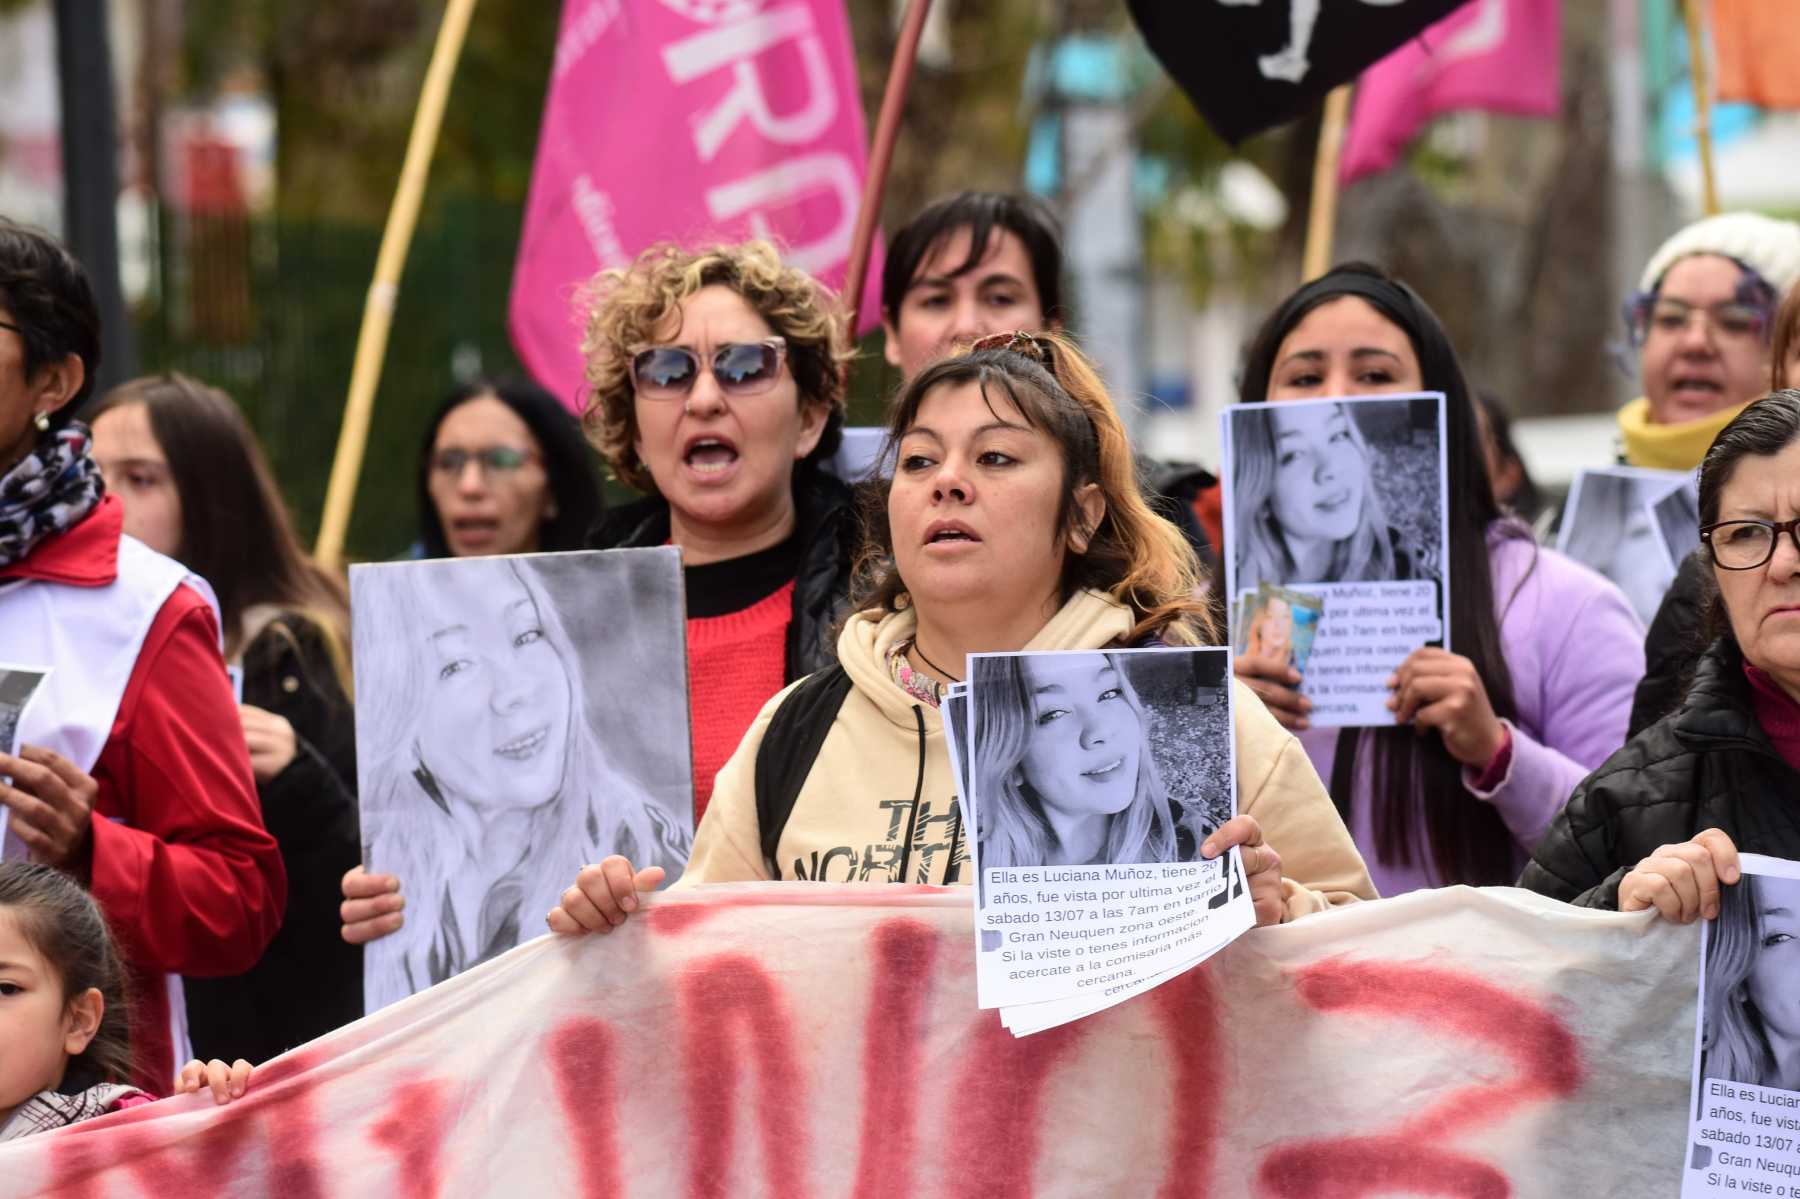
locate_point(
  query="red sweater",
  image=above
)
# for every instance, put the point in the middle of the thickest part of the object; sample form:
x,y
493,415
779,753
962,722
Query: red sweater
x,y
735,663
188,877
1777,712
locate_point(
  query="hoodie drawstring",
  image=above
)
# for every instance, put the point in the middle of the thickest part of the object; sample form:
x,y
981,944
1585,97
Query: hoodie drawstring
x,y
912,823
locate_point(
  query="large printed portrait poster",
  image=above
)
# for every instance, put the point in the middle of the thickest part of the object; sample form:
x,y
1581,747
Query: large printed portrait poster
x,y
516,718
1341,508
1744,1118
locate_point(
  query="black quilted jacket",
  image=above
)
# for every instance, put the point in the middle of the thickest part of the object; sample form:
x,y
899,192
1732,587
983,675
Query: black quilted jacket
x,y
1708,765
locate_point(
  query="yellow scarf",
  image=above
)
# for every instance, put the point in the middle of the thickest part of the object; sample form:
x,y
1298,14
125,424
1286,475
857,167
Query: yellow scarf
x,y
1669,447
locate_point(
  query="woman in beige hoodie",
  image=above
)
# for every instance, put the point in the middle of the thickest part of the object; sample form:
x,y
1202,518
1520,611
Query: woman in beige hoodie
x,y
1013,521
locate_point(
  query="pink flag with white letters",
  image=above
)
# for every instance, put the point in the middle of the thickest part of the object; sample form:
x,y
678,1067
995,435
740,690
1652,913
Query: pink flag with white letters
x,y
1499,55
692,121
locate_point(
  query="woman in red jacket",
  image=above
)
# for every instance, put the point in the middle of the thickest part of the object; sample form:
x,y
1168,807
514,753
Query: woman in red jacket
x,y
131,771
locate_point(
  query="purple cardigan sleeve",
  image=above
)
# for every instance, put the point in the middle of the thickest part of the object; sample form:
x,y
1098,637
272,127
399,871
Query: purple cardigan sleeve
x,y
1576,650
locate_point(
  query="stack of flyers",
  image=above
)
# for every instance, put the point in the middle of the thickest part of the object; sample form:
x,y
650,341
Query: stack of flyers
x,y
1091,779
1278,623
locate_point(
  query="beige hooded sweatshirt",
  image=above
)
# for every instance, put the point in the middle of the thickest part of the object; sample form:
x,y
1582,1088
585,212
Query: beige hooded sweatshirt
x,y
880,802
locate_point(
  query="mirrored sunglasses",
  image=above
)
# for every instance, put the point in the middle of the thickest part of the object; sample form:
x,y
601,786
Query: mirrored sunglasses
x,y
741,368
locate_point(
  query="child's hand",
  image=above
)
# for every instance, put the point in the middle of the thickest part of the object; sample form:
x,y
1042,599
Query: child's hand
x,y
227,1082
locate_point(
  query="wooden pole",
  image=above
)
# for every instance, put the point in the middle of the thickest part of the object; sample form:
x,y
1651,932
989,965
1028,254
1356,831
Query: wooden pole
x,y
881,153
1321,221
378,310
1696,39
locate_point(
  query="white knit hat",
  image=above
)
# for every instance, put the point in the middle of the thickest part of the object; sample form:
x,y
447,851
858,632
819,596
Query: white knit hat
x,y
1769,247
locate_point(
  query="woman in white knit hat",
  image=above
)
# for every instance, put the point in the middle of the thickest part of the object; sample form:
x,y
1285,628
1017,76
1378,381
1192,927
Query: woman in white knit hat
x,y
1700,321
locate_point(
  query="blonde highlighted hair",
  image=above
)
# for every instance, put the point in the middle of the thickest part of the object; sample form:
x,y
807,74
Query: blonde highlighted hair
x,y
1132,554
625,307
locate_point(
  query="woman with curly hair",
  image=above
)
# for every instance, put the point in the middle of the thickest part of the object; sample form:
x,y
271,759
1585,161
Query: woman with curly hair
x,y
716,390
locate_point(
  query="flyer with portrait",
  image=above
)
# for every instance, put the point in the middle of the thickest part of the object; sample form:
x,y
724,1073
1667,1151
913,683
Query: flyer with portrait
x,y
1634,526
1093,779
18,686
1744,1113
516,718
1345,501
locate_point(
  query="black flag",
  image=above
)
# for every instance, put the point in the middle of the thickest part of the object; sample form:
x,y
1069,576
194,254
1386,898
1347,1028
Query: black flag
x,y
1251,64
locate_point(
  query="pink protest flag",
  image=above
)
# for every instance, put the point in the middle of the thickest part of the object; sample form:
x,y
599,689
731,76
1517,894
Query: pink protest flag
x,y
1498,55
693,121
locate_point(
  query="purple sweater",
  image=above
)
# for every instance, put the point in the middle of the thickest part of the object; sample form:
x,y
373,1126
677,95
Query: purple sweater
x,y
1576,651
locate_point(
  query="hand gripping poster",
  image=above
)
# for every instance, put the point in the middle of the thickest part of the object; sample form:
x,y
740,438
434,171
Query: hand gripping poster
x,y
1744,1116
1093,778
516,718
1339,508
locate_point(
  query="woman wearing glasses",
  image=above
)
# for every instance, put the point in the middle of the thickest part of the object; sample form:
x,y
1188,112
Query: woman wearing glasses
x,y
1660,824
716,391
505,470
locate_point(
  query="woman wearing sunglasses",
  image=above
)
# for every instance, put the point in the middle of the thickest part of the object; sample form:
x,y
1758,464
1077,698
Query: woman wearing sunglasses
x,y
716,391
1660,824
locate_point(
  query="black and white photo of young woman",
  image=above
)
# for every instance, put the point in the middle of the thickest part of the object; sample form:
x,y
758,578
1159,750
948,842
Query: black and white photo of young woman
x,y
1099,758
1750,1025
1614,523
517,717
1335,491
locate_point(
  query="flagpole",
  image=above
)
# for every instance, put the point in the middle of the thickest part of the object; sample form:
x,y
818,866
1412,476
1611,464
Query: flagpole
x,y
1696,38
1322,219
378,309
881,154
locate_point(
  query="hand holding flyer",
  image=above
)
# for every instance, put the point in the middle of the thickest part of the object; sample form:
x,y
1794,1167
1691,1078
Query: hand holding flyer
x,y
1343,502
1093,780
1744,1119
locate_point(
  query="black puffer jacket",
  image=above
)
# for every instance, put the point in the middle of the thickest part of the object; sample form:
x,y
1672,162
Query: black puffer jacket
x,y
1710,765
829,533
1674,644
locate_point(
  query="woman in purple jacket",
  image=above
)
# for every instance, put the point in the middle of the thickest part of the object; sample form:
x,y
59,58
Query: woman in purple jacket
x,y
1549,652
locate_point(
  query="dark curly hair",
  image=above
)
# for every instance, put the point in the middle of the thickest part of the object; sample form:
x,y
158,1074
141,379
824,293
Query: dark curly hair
x,y
48,296
63,923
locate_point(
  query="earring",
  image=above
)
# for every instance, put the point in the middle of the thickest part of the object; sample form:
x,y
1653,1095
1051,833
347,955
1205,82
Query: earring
x,y
429,785
42,421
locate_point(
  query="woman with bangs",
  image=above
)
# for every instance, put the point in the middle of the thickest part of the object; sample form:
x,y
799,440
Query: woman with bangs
x,y
1042,723
1307,509
480,682
1013,521
1491,736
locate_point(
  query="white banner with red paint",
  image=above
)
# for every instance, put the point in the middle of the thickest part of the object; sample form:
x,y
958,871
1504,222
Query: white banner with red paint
x,y
819,1040
691,121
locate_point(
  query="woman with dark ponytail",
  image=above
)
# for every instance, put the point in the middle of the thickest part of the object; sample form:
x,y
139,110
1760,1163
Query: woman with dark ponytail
x,y
1547,652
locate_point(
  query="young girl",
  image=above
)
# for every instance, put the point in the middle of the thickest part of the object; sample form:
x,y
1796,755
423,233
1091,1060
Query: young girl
x,y
1013,521
1752,1031
64,1027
